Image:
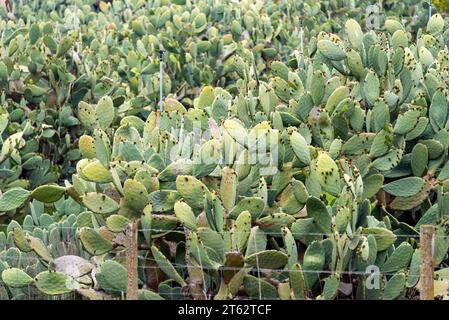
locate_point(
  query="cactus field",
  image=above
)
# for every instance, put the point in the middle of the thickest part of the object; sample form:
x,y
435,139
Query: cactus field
x,y
223,150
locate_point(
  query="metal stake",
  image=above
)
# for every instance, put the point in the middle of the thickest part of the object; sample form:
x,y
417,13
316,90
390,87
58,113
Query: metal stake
x,y
161,68
430,9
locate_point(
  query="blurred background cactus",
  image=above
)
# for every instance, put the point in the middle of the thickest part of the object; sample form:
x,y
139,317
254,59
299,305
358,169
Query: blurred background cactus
x,y
442,5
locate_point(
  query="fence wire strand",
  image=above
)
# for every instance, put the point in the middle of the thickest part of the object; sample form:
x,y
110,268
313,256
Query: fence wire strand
x,y
273,233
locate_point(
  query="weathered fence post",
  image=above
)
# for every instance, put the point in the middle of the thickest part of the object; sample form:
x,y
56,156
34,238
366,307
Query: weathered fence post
x,y
426,264
131,262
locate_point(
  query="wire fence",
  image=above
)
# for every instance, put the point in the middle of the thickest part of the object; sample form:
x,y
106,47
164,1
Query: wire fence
x,y
231,232
368,272
267,232
261,273
31,292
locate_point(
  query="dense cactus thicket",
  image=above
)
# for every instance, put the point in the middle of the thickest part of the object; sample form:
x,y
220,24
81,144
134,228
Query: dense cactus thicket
x,y
297,153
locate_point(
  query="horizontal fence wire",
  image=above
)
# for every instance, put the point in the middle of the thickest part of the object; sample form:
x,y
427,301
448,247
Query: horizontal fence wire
x,y
267,232
258,269
31,292
116,294
266,270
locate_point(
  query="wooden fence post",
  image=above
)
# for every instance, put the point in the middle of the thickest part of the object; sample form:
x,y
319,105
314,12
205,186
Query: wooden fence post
x,y
426,262
131,262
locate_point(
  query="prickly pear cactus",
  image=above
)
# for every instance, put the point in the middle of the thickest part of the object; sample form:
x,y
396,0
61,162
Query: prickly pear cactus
x,y
291,152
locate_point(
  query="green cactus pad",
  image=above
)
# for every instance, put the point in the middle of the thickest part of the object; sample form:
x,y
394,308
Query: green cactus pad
x,y
328,173
259,289
257,241
64,45
288,201
306,230
297,282
146,222
166,266
438,111
372,184
161,224
317,210
112,277
314,259
93,242
338,95
274,222
331,285
87,146
175,169
384,237
381,143
406,121
13,199
434,147
399,259
268,259
435,24
86,114
241,231
331,50
413,275
48,193
408,203
104,112
185,215
371,87
206,97
16,278
164,200
317,87
148,179
117,223
55,283
100,203
228,188
136,194
96,172
102,147
394,287
39,248
300,147
419,159
354,32
20,240
192,190
388,161
254,205
405,187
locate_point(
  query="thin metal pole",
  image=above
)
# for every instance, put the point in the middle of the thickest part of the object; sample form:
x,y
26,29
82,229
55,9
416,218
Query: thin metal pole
x,y
426,290
430,9
302,29
161,68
